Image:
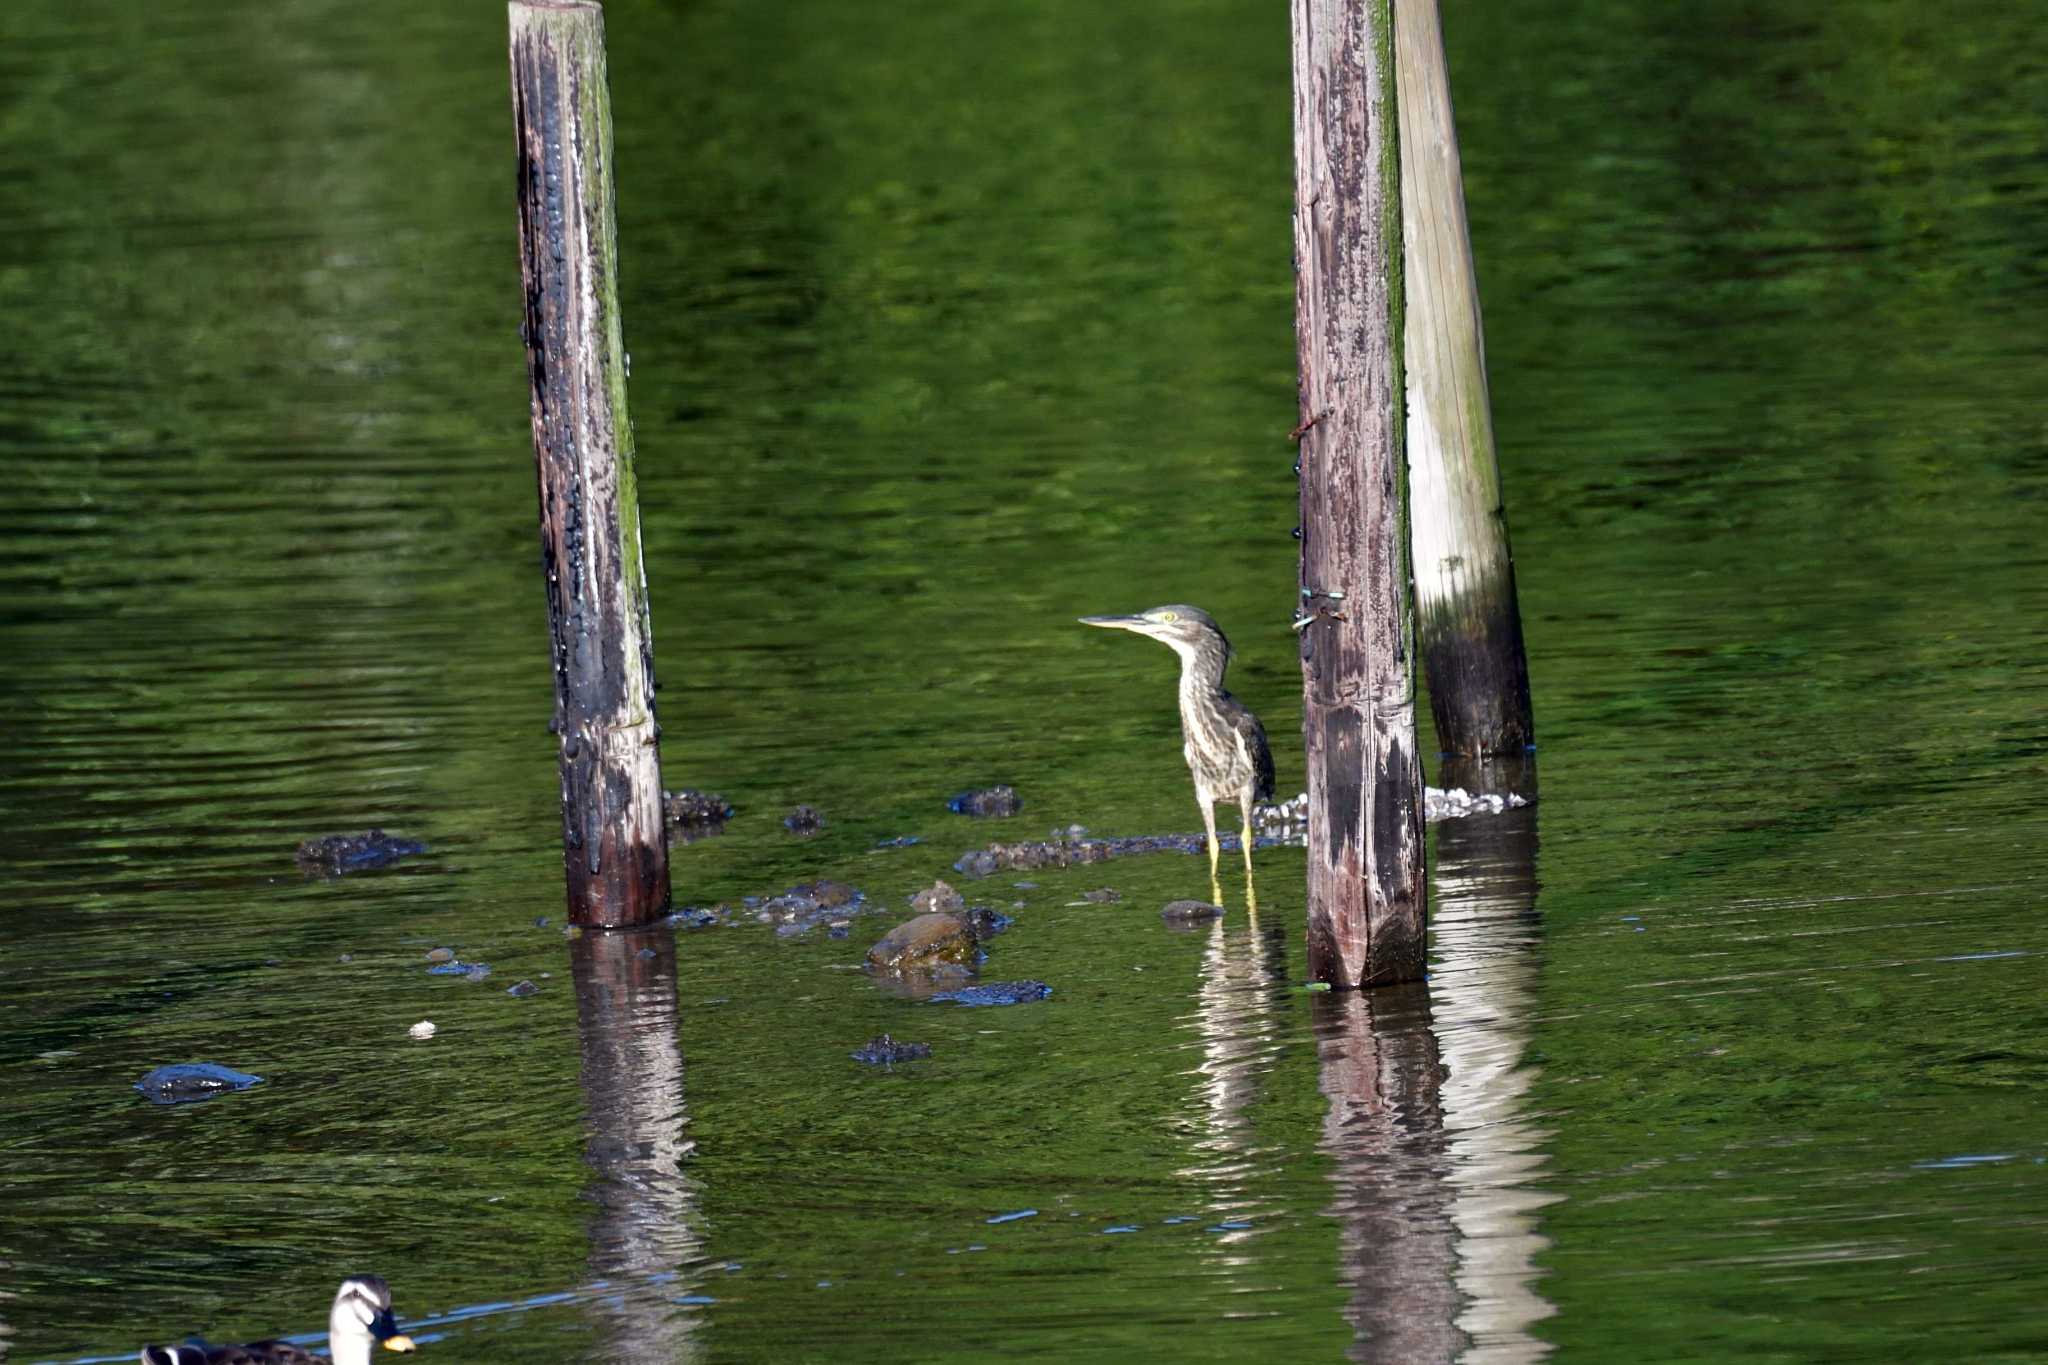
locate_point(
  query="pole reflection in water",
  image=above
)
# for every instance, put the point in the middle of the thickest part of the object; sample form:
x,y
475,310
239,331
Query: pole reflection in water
x,y
1378,1064
1483,992
644,1230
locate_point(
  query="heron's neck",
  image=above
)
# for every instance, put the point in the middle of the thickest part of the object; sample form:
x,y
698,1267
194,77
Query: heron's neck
x,y
1201,667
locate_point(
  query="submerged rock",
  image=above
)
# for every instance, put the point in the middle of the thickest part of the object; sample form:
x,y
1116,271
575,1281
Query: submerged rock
x,y
1066,848
1103,895
183,1082
1456,803
695,808
883,1050
476,971
1286,822
900,841
830,895
1185,913
807,905
804,821
440,954
523,988
802,908
999,802
920,985
339,854
930,940
1284,825
998,993
938,897
987,923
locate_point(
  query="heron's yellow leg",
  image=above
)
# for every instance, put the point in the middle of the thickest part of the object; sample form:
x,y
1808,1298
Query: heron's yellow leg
x,y
1215,850
1251,895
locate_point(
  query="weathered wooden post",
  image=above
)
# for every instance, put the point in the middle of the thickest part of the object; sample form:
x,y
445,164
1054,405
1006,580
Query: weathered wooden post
x,y
1366,898
1470,626
614,848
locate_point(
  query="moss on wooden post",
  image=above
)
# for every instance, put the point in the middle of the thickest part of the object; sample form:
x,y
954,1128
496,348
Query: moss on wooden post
x,y
1471,627
615,849
1366,898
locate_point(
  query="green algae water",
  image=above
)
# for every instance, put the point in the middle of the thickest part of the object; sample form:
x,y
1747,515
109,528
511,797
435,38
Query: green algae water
x,y
951,324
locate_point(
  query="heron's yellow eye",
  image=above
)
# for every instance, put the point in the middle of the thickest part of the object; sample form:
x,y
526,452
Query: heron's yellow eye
x,y
1168,617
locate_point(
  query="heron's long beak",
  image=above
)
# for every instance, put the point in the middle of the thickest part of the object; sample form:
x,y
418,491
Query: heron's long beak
x,y
1114,622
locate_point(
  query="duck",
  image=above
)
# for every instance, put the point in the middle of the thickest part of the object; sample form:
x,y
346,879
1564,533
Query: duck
x,y
360,1319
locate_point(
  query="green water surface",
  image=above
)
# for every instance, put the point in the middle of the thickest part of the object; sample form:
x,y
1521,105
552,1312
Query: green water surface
x,y
951,323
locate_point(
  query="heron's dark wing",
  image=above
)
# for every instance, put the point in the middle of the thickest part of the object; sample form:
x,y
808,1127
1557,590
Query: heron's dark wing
x,y
1254,735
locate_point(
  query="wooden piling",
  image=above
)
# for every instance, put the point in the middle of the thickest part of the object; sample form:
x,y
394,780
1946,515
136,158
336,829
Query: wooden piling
x,y
614,847
1470,625
1366,900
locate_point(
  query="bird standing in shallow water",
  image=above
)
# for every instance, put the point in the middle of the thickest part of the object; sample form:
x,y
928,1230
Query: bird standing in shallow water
x,y
360,1318
1226,746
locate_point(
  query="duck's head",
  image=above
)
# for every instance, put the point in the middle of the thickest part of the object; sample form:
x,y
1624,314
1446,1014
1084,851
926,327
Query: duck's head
x,y
361,1320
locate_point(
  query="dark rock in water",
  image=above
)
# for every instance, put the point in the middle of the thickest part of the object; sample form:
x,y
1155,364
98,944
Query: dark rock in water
x,y
523,988
929,940
1071,847
804,821
802,908
886,1051
339,854
998,993
987,923
1103,895
1190,912
938,897
440,955
693,815
900,841
184,1082
829,894
808,905
998,801
456,967
695,808
979,864
477,972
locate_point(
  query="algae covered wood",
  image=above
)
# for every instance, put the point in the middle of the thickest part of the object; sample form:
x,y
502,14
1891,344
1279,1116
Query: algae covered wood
x,y
1468,622
615,850
1366,898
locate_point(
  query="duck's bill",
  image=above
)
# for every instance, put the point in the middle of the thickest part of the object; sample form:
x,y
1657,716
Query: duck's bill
x,y
385,1330
1113,622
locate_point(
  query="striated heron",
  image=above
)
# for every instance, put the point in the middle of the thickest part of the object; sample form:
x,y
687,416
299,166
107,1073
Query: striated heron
x,y
1226,746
